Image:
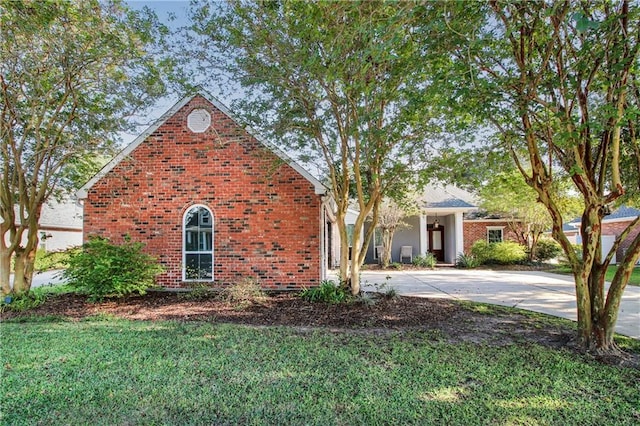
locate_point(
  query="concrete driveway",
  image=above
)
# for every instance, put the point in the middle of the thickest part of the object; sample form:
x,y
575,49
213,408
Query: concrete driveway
x,y
548,293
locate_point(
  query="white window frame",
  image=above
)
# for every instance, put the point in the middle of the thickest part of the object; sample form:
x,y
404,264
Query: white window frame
x,y
495,228
186,237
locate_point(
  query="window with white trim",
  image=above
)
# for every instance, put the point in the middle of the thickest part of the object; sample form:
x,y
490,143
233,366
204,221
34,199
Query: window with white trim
x,y
197,253
494,234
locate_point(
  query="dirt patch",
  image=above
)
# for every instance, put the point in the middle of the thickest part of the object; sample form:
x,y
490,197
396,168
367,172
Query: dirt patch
x,y
443,319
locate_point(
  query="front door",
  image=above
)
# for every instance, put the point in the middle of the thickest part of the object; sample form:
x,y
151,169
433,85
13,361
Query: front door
x,y
436,242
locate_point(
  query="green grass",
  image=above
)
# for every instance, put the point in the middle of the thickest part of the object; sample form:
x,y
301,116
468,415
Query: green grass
x,y
106,371
634,279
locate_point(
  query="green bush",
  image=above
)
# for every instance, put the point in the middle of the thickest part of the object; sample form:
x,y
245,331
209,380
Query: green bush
x,y
503,253
426,261
24,302
508,253
481,251
327,292
467,261
546,249
577,249
103,269
34,298
46,261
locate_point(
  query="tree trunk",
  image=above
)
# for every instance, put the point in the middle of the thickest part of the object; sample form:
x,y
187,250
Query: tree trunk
x,y
387,240
354,263
343,274
24,266
355,276
534,246
5,271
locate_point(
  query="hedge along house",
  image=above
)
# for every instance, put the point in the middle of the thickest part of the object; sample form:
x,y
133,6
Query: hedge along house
x,y
212,201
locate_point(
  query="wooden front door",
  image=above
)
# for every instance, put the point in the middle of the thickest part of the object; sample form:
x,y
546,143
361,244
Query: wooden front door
x,y
436,242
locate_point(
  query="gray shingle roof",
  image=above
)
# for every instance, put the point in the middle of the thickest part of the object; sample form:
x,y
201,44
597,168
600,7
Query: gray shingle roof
x,y
448,196
66,214
623,212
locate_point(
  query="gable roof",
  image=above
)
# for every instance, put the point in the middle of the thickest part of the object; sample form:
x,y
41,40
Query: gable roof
x,y
82,192
623,212
440,196
66,213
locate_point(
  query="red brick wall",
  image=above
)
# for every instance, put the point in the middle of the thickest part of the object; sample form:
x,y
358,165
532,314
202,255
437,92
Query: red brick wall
x,y
616,228
477,230
266,216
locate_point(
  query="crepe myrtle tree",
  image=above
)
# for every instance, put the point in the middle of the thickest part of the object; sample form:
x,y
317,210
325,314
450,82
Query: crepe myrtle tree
x,y
71,73
558,81
391,219
342,82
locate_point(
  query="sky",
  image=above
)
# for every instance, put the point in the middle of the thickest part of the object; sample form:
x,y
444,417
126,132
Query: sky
x,y
172,13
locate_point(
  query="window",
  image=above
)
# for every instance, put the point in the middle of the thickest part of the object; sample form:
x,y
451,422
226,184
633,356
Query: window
x,y
494,234
377,243
198,120
350,228
197,255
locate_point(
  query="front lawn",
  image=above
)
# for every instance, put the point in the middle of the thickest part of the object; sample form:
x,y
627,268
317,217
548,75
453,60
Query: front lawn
x,y
106,371
634,279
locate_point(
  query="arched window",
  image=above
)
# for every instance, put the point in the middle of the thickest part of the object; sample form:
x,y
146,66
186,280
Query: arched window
x,y
197,253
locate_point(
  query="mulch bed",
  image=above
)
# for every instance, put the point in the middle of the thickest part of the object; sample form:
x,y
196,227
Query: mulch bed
x,y
443,319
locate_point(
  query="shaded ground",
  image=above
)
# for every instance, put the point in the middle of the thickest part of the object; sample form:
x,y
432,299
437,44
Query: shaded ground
x,y
444,320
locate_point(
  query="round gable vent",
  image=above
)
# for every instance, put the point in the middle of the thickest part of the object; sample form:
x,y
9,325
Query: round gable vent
x,y
198,120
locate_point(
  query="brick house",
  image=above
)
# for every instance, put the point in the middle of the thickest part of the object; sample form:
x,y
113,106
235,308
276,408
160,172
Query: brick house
x,y
612,226
447,226
212,201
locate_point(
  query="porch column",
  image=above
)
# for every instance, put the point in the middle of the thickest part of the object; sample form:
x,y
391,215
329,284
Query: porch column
x,y
423,234
459,235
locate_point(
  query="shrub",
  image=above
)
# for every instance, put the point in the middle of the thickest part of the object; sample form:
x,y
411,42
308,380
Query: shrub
x,y
547,248
24,302
327,292
507,253
197,291
388,291
503,253
467,261
481,250
46,261
103,269
426,261
244,292
577,249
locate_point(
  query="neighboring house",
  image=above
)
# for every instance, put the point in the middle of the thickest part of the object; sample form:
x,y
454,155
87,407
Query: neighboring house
x,y
448,225
332,236
60,225
612,226
213,201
